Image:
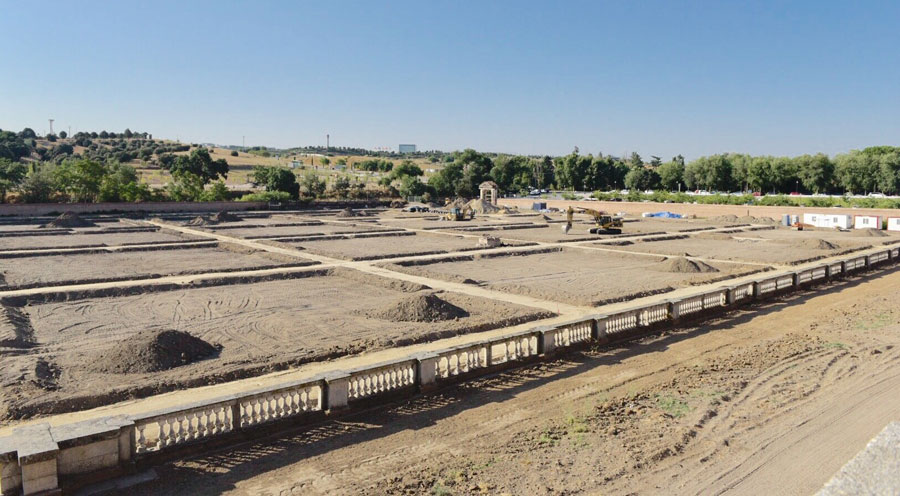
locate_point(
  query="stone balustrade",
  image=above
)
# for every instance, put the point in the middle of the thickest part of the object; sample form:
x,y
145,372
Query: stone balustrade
x,y
36,458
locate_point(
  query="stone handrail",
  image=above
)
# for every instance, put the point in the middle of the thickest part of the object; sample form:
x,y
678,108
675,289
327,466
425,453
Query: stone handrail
x,y
34,456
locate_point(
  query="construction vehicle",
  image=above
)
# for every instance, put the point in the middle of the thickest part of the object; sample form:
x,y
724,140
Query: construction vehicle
x,y
606,224
459,214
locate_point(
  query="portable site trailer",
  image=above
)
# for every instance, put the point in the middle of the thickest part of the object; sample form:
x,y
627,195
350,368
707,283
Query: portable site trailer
x,y
828,220
867,222
893,223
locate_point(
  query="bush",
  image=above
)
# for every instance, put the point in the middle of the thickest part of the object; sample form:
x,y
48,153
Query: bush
x,y
267,196
234,153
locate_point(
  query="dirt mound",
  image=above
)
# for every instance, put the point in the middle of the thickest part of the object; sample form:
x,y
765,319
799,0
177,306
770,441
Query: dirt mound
x,y
15,328
198,221
224,216
347,212
684,266
483,207
46,375
69,219
421,308
815,244
724,218
459,202
152,351
872,233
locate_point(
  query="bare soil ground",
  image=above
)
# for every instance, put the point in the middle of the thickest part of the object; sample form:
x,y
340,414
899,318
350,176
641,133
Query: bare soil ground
x,y
771,400
58,269
295,230
260,327
754,246
98,238
572,275
371,248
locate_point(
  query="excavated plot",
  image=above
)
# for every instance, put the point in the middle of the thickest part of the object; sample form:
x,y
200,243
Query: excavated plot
x,y
287,231
58,269
388,246
742,247
856,237
99,238
261,327
571,275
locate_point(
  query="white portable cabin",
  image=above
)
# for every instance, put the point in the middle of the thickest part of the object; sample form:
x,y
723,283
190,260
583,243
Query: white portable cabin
x,y
867,222
828,220
893,223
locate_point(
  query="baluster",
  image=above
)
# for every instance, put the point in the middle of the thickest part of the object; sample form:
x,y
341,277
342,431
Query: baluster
x,y
140,441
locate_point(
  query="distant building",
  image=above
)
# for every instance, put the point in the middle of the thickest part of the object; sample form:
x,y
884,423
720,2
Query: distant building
x,y
407,148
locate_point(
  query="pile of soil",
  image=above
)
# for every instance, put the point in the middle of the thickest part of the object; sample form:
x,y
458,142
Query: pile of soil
x,y
483,207
46,375
683,265
347,212
459,202
724,218
152,351
198,221
68,219
224,216
749,219
872,233
421,308
815,244
398,203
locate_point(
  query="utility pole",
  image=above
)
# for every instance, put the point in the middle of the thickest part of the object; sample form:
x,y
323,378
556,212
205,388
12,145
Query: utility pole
x,y
327,142
51,125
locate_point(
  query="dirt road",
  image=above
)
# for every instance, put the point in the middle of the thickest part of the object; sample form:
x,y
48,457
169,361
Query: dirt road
x,y
772,399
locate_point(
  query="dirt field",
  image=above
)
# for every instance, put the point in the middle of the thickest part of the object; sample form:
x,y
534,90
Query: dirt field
x,y
81,240
772,400
784,247
260,327
58,269
372,248
574,276
295,230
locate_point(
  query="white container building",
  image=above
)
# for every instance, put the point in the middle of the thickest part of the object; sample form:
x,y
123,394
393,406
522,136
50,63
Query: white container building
x,y
867,222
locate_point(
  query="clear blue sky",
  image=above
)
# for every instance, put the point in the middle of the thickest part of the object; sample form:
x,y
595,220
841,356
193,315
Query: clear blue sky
x,y
660,78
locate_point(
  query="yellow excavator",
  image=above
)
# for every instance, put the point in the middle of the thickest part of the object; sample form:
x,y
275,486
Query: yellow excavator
x,y
606,224
457,214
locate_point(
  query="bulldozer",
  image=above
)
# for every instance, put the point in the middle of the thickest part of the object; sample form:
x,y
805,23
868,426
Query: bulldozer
x,y
459,214
606,223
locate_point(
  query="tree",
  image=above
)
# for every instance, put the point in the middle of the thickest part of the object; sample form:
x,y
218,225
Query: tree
x,y
445,181
128,134
80,179
276,179
312,186
27,133
341,187
200,164
324,161
11,175
185,186
512,173
635,160
104,134
712,173
121,183
889,172
671,175
816,172
51,138
856,172
63,134
641,178
13,146
38,186
234,153
216,192
476,167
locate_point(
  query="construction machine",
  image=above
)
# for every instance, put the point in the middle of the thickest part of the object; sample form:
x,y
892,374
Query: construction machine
x,y
606,224
458,214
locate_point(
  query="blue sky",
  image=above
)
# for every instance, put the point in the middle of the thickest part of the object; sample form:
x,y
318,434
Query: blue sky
x,y
660,78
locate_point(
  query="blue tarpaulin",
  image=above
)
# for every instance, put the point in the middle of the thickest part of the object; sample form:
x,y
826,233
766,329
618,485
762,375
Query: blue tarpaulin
x,y
664,215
